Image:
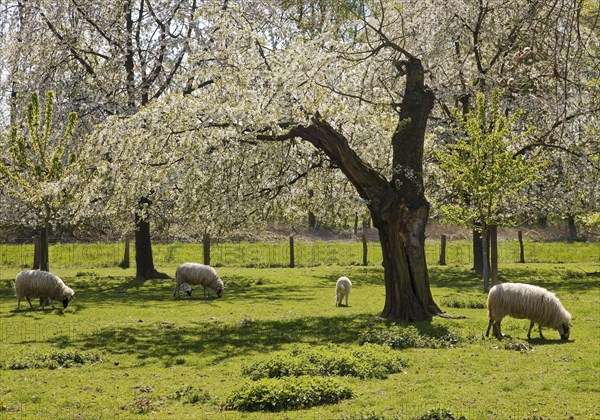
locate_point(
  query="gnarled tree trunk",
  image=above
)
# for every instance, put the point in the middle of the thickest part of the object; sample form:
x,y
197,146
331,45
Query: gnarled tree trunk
x,y
398,206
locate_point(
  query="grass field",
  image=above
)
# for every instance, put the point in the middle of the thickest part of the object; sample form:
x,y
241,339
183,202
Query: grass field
x,y
128,349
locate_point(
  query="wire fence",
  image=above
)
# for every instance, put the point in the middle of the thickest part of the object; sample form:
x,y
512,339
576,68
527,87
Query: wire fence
x,y
278,253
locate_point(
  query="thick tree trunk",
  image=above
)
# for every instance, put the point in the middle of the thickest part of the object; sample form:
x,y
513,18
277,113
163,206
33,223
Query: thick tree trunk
x,y
144,261
477,252
402,236
41,260
573,235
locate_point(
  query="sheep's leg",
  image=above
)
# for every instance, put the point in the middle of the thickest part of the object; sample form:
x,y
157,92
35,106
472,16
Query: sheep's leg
x,y
18,304
487,333
347,299
540,327
530,328
176,291
27,297
498,330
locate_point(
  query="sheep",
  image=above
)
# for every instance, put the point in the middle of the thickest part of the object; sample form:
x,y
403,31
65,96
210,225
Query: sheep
x,y
524,301
197,274
342,289
42,284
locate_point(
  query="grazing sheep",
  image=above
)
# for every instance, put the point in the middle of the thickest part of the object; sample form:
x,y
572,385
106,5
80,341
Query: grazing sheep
x,y
342,289
42,284
197,274
524,301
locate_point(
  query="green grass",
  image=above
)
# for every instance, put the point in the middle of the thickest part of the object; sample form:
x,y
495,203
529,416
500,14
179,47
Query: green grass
x,y
127,348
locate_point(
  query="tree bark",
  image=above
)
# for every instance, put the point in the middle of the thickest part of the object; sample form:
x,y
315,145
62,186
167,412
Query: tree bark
x,y
573,235
477,252
41,259
402,237
144,261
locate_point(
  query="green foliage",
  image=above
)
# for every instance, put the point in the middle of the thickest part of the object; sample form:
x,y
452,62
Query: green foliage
x,y
37,163
54,360
369,361
481,169
404,337
291,393
439,414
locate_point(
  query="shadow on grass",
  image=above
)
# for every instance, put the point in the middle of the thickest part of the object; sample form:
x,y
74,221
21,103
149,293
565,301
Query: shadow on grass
x,y
464,280
216,339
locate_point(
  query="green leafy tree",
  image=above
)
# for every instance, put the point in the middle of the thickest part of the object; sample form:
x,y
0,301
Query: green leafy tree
x,y
481,170
40,171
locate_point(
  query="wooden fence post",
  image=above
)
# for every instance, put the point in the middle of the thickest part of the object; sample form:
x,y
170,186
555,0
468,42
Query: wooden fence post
x,y
443,251
292,257
206,247
521,248
365,249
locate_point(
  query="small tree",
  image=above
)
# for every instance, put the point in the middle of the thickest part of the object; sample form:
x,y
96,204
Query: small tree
x,y
40,171
482,171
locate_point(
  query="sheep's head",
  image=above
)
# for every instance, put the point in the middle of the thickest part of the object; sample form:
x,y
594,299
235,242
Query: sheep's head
x,y
564,331
219,291
67,298
66,301
186,288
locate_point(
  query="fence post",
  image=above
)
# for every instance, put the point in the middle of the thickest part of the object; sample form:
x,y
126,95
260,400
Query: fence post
x,y
206,247
443,251
521,248
292,257
365,249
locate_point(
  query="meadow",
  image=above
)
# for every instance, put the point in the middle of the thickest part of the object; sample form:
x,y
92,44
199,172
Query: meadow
x,y
126,348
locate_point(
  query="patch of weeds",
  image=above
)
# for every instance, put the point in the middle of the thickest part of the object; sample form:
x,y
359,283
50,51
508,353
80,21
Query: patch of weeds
x,y
142,405
514,346
439,414
368,415
58,360
399,337
368,361
291,393
190,395
462,301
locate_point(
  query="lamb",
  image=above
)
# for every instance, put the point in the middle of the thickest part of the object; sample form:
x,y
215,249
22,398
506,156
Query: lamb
x,y
342,289
524,301
197,274
42,284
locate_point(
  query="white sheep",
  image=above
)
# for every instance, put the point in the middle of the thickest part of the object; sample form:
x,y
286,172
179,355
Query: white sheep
x,y
42,284
197,274
342,289
524,301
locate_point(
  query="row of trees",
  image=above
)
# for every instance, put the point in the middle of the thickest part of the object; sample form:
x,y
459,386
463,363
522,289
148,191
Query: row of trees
x,y
229,114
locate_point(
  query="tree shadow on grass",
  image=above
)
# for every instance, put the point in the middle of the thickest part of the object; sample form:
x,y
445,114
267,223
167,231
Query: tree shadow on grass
x,y
216,339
